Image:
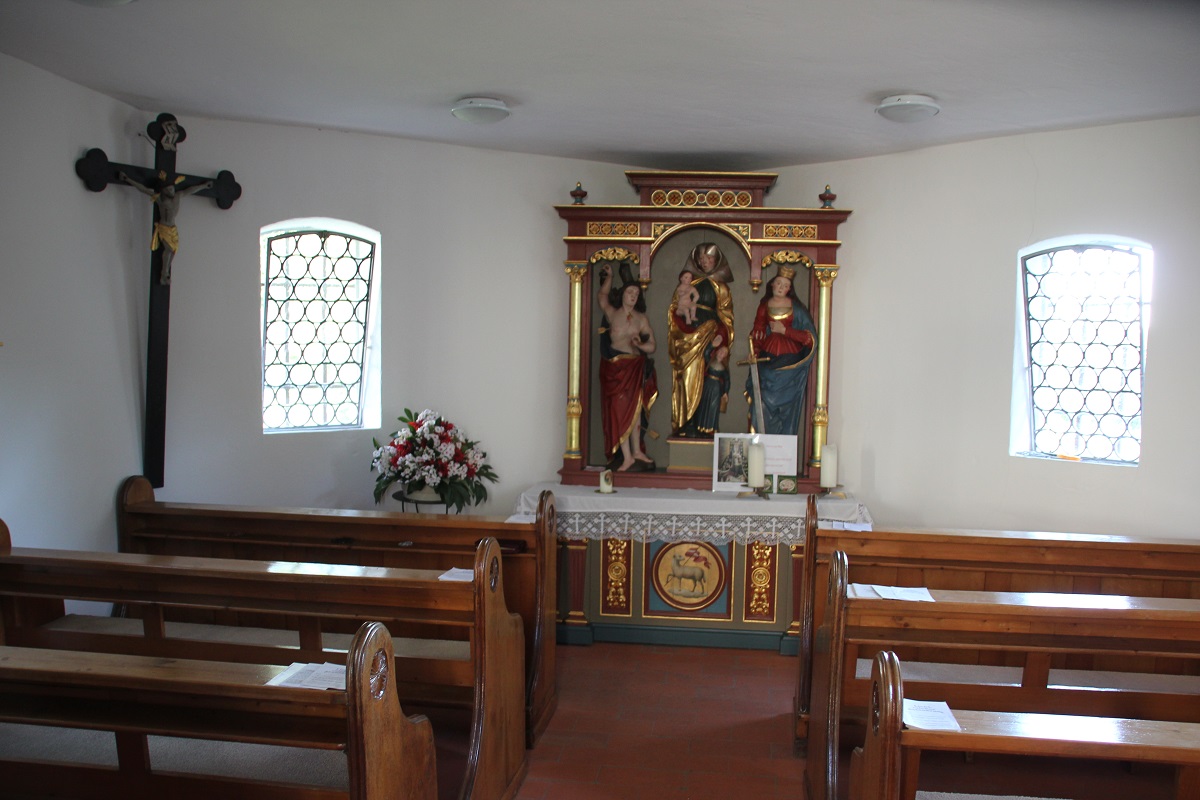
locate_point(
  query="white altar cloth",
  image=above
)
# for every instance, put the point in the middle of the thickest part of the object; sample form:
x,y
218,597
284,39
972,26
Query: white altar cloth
x,y
679,515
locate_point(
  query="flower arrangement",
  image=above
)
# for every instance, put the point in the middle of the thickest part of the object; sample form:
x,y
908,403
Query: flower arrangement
x,y
430,452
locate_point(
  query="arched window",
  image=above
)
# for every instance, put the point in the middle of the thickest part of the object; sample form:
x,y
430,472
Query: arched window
x,y
1081,346
320,326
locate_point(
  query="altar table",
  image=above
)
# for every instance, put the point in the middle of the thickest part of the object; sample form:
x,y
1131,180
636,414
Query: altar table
x,y
683,566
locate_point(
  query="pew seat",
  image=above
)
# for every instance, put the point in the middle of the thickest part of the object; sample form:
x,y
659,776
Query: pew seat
x,y
333,643
1034,630
887,766
470,685
135,699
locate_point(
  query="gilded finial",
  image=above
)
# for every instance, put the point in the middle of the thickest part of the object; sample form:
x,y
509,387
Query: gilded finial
x,y
578,193
827,197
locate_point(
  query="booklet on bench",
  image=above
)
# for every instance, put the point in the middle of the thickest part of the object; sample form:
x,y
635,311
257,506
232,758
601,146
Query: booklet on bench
x,y
871,590
929,715
311,676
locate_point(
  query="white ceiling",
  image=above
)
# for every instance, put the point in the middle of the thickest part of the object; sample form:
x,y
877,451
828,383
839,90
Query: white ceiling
x,y
664,84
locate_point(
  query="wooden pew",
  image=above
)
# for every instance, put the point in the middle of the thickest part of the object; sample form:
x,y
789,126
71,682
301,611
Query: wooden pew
x,y
373,538
886,766
997,561
388,755
1034,630
821,745
483,673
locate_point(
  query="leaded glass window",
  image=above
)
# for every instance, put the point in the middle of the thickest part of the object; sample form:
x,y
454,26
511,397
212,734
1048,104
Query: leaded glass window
x,y
317,313
1086,309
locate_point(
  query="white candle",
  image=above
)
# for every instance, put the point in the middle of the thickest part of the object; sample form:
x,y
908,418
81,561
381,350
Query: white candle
x,y
829,467
606,483
758,456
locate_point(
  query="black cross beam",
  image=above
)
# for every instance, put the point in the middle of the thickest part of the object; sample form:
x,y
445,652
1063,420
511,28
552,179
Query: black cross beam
x,y
97,172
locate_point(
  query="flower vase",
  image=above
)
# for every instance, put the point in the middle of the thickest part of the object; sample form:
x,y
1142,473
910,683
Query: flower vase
x,y
425,494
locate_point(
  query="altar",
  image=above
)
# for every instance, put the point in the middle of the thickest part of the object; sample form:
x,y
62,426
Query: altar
x,y
683,566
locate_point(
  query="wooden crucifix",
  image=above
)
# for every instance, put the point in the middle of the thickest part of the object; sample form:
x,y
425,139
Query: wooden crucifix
x,y
166,188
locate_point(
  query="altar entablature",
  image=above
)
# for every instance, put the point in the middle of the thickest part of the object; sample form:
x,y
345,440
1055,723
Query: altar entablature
x,y
647,242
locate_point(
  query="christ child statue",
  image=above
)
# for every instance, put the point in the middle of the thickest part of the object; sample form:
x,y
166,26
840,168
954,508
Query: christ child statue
x,y
685,298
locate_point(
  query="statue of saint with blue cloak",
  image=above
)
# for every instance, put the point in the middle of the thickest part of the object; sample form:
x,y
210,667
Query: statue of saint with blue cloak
x,y
782,339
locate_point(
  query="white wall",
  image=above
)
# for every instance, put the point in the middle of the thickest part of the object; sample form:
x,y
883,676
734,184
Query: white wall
x,y
475,313
473,288
70,311
924,321
474,300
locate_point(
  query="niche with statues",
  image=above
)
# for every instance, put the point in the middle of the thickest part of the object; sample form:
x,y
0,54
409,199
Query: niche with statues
x,y
697,313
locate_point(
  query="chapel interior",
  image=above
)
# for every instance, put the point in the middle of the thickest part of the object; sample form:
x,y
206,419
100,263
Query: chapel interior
x,y
577,269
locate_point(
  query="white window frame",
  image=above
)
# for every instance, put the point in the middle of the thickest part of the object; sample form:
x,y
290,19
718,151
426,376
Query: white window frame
x,y
1022,441
370,407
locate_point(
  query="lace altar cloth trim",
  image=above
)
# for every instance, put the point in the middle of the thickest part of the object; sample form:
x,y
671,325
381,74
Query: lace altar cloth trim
x,y
674,515
715,528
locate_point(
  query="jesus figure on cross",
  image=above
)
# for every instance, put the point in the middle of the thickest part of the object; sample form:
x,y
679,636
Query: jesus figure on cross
x,y
166,234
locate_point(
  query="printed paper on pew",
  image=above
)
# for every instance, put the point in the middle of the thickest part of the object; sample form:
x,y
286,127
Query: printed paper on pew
x,y
457,574
867,590
929,715
311,676
918,593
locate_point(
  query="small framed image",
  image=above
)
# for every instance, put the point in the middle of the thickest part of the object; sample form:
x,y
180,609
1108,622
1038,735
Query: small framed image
x,y
731,461
786,484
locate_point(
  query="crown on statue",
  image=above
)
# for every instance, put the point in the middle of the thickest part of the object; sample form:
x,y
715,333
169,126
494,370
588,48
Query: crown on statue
x,y
787,272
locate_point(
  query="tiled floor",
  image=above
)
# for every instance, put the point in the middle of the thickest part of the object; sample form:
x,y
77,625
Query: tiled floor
x,y
669,723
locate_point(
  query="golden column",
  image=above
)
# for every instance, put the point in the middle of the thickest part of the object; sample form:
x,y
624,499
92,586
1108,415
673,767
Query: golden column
x,y
576,270
826,274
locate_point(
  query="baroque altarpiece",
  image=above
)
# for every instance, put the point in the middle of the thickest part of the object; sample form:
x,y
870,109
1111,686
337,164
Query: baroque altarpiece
x,y
680,215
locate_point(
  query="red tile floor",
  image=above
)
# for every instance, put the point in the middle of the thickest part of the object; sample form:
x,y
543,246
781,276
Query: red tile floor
x,y
669,723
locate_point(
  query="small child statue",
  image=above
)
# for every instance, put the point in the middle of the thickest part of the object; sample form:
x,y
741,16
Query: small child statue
x,y
686,297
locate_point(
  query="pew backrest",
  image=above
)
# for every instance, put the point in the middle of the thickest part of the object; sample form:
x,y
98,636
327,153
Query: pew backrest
x,y
379,538
484,671
1029,628
997,561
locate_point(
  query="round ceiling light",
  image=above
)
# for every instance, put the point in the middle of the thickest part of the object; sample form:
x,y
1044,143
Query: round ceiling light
x,y
480,110
907,107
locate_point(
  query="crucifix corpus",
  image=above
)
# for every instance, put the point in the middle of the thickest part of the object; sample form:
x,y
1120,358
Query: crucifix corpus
x,y
166,188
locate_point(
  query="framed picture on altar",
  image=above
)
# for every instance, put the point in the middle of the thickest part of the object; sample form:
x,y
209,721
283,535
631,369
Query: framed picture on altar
x,y
731,461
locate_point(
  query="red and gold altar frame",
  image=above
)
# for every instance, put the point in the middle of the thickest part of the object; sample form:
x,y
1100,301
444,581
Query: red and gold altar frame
x,y
725,204
733,586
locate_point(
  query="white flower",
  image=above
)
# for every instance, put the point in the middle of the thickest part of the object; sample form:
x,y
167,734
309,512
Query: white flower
x,y
430,447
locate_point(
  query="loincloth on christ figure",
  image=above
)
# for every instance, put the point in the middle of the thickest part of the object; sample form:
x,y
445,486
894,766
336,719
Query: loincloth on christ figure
x,y
167,235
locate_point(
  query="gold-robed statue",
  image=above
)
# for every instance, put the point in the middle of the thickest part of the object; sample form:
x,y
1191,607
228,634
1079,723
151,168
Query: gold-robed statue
x,y
699,348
